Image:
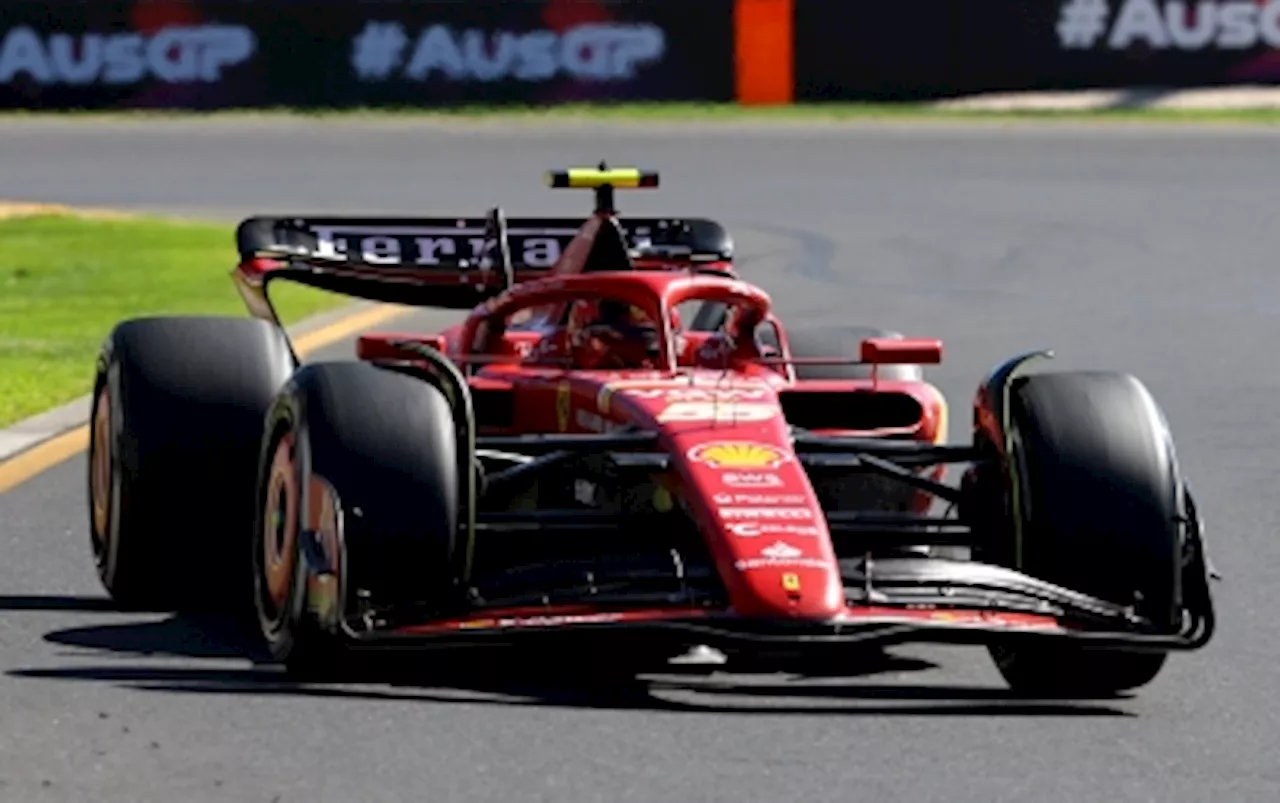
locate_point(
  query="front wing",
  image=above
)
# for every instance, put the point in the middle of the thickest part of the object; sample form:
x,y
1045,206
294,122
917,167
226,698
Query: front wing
x,y
920,600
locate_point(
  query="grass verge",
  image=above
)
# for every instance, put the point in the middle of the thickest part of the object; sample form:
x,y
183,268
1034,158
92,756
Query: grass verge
x,y
693,113
66,279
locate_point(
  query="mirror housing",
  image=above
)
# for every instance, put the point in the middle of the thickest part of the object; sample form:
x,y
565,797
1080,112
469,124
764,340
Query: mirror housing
x,y
901,351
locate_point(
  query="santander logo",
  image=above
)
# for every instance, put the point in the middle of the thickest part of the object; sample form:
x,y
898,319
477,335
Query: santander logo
x,y
780,549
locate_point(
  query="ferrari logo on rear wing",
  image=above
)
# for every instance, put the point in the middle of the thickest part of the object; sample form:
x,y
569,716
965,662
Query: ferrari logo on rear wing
x,y
451,244
464,244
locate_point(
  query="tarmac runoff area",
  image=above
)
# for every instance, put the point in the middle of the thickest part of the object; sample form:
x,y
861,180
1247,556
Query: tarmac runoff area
x,y
1149,250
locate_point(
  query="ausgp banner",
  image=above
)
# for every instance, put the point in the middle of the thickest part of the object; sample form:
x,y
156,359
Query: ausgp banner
x,y
250,53
1175,25
939,48
1174,42
69,54
539,52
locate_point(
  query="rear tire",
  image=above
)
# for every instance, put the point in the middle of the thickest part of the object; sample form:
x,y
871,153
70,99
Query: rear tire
x,y
1103,501
176,424
381,446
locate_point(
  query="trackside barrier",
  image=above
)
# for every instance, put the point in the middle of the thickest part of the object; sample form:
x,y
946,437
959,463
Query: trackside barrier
x,y
210,54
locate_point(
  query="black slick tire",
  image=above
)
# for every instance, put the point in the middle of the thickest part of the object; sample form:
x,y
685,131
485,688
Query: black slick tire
x,y
175,428
1101,502
383,447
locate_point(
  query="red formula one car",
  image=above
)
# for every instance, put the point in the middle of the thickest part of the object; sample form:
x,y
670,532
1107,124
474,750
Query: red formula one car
x,y
622,441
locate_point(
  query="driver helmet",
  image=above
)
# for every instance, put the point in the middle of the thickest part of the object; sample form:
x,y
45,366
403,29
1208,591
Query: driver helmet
x,y
607,333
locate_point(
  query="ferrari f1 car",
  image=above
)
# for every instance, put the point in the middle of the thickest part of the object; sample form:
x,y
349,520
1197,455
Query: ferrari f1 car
x,y
622,441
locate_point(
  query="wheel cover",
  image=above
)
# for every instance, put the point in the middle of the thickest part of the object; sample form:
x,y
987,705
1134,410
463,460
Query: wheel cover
x,y
280,526
100,476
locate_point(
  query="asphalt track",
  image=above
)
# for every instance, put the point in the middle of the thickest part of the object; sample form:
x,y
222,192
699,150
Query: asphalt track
x,y
1134,249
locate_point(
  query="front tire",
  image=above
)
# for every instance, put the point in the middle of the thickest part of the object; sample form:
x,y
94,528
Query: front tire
x,y
367,459
1101,502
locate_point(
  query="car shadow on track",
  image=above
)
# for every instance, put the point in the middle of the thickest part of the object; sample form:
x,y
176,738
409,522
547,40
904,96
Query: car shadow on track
x,y
34,602
819,688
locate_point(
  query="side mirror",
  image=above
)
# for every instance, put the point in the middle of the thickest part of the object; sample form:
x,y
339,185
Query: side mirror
x,y
379,346
901,351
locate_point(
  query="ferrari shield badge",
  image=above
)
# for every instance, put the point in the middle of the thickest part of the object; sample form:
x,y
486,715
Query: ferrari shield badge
x,y
562,406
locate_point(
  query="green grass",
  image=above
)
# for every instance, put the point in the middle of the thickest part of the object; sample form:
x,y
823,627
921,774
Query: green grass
x,y
692,112
65,281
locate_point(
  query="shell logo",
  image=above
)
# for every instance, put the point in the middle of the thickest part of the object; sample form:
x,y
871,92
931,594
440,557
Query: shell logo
x,y
738,454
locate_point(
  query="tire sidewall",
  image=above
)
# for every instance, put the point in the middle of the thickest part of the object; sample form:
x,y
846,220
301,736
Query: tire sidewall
x,y
106,545
108,560
1019,505
279,631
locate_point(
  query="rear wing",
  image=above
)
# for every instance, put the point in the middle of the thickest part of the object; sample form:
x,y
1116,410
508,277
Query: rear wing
x,y
453,263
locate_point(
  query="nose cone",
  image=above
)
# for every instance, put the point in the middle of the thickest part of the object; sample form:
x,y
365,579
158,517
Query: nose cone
x,y
760,517
764,524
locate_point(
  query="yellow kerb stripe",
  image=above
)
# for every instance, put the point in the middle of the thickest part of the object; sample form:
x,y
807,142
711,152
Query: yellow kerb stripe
x,y
28,464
